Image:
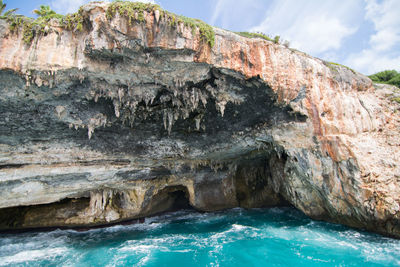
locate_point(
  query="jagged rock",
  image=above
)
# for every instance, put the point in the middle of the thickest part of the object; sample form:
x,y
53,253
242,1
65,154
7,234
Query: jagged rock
x,y
119,122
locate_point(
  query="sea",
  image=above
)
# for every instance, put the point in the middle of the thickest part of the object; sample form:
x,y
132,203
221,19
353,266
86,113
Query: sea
x,y
237,237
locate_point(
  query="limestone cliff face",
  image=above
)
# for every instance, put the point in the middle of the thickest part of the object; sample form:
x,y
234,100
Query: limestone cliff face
x,y
123,121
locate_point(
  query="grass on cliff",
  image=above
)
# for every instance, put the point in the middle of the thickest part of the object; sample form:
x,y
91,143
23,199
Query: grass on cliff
x,y
276,39
332,65
42,24
134,11
255,35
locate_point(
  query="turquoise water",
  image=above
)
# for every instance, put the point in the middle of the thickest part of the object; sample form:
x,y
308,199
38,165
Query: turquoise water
x,y
261,237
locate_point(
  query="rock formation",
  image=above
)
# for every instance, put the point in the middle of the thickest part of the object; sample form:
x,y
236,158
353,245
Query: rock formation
x,y
124,120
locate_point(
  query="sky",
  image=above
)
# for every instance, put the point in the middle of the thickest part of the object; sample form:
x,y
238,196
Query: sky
x,y
361,34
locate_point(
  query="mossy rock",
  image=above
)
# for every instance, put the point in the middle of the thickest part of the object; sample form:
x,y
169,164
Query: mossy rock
x,y
332,66
255,35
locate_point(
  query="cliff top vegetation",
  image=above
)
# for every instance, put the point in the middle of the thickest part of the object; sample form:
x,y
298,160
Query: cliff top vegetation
x,y
133,11
387,76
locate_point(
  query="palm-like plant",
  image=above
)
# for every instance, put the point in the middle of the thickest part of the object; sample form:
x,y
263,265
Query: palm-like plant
x,y
2,7
8,13
44,11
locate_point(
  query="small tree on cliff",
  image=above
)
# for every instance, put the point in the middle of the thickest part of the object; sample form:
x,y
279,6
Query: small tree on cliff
x,y
2,7
8,13
46,13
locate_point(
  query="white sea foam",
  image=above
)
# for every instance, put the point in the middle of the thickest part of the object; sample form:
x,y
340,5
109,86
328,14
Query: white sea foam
x,y
139,248
31,255
146,226
235,232
347,244
278,232
238,227
143,260
188,215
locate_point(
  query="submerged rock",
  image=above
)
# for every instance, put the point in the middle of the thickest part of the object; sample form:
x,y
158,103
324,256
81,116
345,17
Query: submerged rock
x,y
120,121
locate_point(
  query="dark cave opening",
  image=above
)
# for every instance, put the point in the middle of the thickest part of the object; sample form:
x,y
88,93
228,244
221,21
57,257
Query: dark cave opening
x,y
258,180
181,200
168,199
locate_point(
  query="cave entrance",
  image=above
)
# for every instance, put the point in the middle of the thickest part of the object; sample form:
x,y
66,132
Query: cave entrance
x,y
180,200
258,180
170,198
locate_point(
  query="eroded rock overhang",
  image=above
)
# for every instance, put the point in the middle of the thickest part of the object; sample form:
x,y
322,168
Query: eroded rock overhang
x,y
95,150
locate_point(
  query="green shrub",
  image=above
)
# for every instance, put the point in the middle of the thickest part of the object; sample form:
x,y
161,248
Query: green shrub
x,y
32,27
276,39
395,80
387,76
134,11
332,64
74,21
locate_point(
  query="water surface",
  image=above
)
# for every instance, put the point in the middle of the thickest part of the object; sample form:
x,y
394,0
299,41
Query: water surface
x,y
238,237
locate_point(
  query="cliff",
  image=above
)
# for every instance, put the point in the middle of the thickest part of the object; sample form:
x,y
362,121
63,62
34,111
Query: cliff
x,y
124,119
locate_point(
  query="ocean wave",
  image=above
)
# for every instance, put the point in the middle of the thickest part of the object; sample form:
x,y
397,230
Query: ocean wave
x,y
32,255
139,248
234,237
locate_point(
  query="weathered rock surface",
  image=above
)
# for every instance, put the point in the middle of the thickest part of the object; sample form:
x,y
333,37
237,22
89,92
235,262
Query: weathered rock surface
x,y
119,122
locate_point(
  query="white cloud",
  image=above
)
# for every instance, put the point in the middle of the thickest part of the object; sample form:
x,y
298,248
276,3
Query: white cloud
x,y
71,6
384,45
312,26
386,19
67,6
370,61
231,12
